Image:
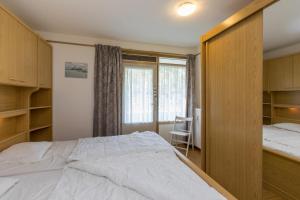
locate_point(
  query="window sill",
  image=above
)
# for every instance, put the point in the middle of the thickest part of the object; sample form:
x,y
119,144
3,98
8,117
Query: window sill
x,y
166,122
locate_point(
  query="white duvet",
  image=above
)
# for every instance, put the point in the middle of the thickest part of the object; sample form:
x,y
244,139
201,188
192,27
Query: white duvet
x,y
54,159
100,147
282,140
150,175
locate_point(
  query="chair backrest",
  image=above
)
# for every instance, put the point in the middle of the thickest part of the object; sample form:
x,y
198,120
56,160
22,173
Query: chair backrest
x,y
186,122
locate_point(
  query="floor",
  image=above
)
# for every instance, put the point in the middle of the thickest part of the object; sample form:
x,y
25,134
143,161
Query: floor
x,y
194,156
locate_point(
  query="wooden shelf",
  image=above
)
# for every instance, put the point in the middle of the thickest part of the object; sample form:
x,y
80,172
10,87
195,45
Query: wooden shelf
x,y
12,113
266,103
39,107
267,117
40,127
286,106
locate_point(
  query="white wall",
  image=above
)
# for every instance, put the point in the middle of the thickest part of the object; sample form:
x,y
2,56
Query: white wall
x,y
288,50
73,98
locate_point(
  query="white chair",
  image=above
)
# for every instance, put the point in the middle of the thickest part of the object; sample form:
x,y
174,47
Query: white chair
x,y
179,134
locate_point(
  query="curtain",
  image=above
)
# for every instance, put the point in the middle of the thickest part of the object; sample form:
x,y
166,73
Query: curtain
x,y
172,91
190,77
107,91
138,94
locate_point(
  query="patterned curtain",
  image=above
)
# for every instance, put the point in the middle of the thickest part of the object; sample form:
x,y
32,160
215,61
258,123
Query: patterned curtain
x,y
190,78
107,91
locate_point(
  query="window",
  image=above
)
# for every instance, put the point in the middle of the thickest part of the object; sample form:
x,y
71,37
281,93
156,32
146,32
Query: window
x,y
137,94
172,88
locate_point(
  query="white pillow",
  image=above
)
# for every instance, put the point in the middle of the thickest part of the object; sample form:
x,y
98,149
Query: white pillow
x,y
27,152
288,126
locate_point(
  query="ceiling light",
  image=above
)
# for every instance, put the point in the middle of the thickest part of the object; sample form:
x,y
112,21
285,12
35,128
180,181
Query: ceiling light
x,y
186,9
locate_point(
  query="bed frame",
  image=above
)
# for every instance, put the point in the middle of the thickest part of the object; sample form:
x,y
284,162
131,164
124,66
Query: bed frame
x,y
281,173
204,176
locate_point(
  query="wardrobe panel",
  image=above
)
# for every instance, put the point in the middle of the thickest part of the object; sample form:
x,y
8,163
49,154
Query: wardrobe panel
x,y
234,72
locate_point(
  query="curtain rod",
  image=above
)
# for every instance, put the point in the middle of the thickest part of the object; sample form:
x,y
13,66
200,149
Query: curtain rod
x,y
133,51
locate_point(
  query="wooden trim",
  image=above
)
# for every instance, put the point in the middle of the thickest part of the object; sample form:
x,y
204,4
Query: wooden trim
x,y
153,53
127,51
204,176
253,7
71,43
203,106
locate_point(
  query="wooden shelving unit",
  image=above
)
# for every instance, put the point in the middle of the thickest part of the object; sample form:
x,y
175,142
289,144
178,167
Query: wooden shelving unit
x,y
286,106
12,113
25,85
41,115
267,108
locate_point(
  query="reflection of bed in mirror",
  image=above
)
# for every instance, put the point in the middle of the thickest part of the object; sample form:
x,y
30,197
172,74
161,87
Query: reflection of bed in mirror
x,y
281,133
281,159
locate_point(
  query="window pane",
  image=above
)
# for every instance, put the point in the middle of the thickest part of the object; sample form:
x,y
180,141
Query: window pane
x,y
172,92
176,61
138,95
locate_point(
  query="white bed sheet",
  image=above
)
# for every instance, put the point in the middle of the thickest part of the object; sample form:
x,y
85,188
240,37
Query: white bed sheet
x,y
55,158
287,142
34,186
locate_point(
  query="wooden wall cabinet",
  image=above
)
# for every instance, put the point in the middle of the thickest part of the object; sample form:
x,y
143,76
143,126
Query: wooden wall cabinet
x,y
25,83
296,71
280,73
44,64
18,52
265,77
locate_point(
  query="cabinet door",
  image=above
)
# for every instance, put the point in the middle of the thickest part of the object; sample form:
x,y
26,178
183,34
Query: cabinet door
x,y
4,46
8,50
280,73
265,77
44,64
30,58
296,72
17,52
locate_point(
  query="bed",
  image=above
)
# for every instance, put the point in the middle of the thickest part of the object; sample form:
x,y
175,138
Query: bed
x,y
134,166
281,159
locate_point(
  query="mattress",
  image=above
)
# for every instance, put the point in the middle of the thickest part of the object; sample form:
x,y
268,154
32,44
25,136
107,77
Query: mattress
x,y
282,140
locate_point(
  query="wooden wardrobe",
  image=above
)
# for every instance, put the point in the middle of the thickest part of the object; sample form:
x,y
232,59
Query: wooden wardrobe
x,y
25,82
232,87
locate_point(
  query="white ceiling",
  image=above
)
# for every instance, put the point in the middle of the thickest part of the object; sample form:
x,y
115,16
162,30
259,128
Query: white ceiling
x,y
282,24
151,21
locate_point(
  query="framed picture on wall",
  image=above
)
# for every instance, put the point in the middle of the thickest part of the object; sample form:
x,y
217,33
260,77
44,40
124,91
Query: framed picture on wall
x,y
76,70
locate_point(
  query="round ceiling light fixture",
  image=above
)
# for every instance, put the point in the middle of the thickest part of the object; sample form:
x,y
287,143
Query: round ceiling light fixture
x,y
186,8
